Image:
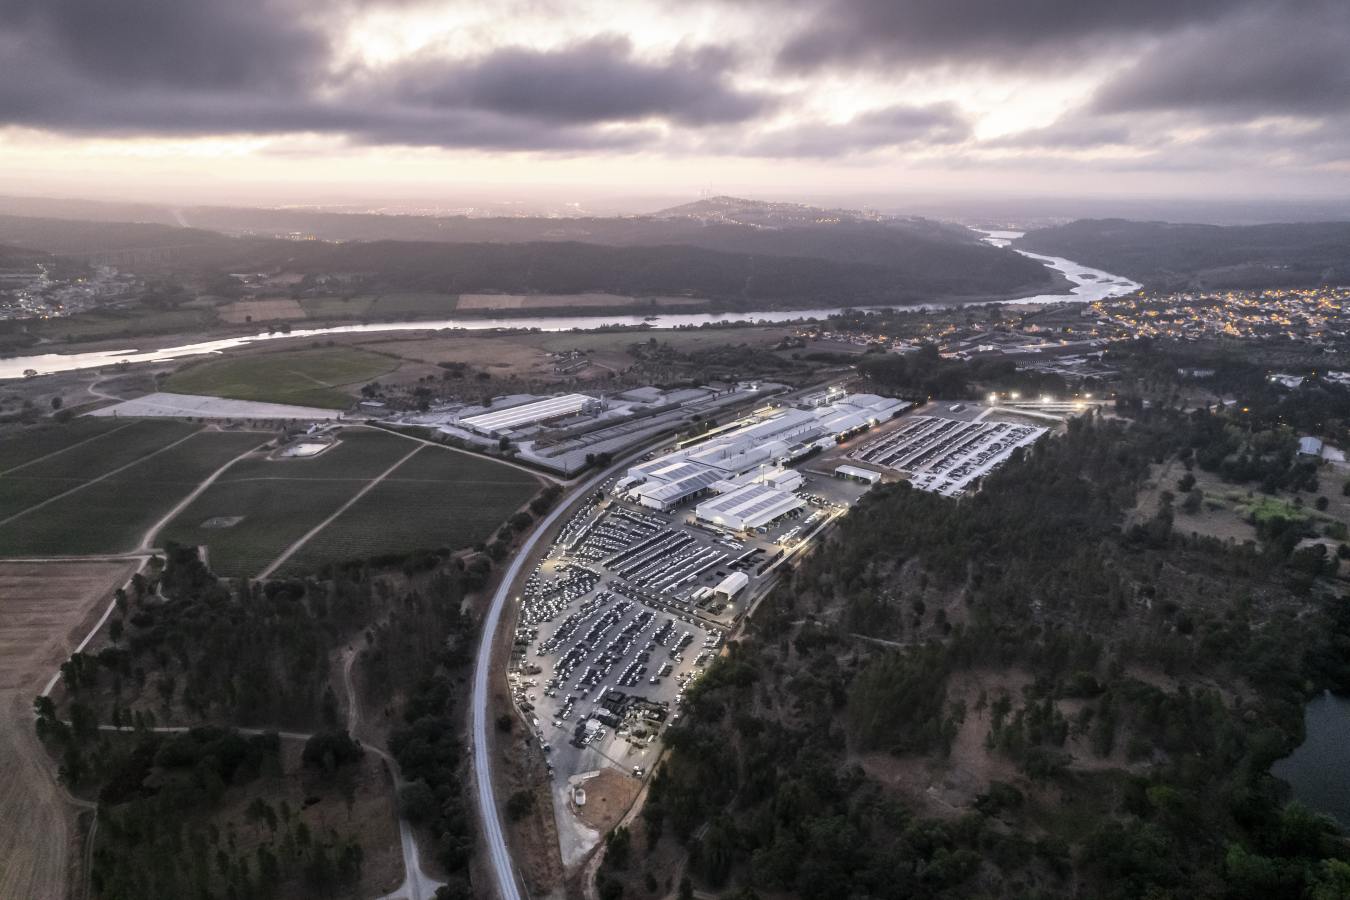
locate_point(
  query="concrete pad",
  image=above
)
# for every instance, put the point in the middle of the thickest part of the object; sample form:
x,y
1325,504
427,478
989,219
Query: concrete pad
x,y
164,404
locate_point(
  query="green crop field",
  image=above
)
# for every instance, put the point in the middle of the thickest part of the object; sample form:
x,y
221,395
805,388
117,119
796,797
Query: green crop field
x,y
35,442
310,377
111,515
276,501
57,460
383,306
439,498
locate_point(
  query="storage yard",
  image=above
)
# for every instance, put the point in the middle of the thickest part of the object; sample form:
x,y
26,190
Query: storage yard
x,y
649,575
563,433
943,454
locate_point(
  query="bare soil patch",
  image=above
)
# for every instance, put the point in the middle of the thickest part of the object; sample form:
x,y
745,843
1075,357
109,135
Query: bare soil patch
x,y
265,310
45,610
609,795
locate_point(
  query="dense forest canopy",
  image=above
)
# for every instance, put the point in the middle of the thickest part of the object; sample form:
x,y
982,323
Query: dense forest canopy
x,y
1160,677
1164,255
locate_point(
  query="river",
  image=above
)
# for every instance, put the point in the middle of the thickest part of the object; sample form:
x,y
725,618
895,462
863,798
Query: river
x,y
1089,285
1319,770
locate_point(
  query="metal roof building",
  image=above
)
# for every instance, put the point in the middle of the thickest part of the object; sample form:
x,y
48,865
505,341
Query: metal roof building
x,y
866,475
732,585
502,420
752,506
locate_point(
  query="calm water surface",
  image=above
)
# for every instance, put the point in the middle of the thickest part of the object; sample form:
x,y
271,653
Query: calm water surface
x,y
1319,769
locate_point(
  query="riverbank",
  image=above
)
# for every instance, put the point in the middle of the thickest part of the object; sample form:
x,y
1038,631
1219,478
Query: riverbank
x,y
1086,285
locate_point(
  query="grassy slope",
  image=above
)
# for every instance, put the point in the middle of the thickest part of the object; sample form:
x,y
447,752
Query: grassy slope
x,y
20,447
311,377
45,478
279,500
438,498
111,515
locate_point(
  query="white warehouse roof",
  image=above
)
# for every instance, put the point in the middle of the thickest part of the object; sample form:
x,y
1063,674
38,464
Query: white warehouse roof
x,y
748,507
854,472
732,584
528,413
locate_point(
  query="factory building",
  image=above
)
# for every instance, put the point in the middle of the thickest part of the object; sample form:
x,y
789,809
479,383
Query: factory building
x,y
732,585
742,455
500,421
745,508
858,474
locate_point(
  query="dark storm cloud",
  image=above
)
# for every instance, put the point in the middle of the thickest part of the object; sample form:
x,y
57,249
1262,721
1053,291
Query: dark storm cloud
x,y
906,33
595,81
1262,64
209,44
188,67
896,126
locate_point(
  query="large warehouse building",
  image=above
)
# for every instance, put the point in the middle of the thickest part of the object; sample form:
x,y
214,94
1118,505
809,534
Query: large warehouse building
x,y
755,451
745,508
500,421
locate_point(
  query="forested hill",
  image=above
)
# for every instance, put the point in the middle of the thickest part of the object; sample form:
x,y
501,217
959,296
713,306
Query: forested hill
x,y
1164,255
1014,696
845,263
931,251
735,279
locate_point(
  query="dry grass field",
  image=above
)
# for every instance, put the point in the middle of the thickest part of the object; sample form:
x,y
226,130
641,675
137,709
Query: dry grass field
x,y
45,610
262,310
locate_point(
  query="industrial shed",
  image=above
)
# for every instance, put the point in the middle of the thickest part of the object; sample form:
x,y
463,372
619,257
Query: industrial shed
x,y
752,506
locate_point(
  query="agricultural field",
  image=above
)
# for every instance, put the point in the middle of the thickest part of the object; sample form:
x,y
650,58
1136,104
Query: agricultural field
x,y
21,447
379,307
261,506
44,463
438,498
111,514
45,610
322,376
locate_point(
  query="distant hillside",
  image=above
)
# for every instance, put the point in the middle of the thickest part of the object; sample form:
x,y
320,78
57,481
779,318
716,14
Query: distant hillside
x,y
739,211
1163,255
923,252
733,280
9,255
830,263
70,236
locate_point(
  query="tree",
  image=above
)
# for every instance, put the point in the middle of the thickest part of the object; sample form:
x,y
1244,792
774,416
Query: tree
x,y
617,848
330,749
418,802
519,805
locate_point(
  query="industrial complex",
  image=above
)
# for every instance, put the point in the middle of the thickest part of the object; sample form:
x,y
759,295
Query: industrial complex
x,y
745,463
564,433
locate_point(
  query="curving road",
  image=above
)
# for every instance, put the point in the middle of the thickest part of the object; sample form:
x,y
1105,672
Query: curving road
x,y
498,854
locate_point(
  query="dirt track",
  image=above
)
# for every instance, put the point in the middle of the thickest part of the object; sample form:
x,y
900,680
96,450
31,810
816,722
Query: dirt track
x,y
45,610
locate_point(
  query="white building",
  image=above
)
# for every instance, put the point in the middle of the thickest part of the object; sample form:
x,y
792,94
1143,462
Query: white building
x,y
751,452
866,475
500,421
732,585
752,506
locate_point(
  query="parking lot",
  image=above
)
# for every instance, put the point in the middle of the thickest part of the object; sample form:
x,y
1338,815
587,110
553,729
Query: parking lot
x,y
621,617
948,450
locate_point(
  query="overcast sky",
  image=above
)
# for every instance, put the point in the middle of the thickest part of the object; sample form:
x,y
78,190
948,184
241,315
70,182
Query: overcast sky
x,y
314,99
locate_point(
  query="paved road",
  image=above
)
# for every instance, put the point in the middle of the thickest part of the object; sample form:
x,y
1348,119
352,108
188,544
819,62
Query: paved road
x,y
498,854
